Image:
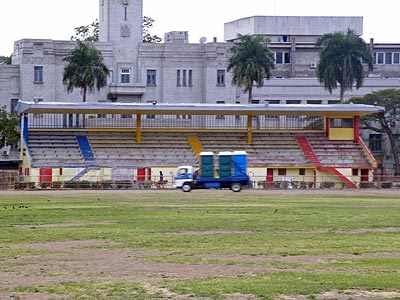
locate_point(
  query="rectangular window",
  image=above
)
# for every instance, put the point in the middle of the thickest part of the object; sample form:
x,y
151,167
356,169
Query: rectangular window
x,y
388,58
282,57
178,77
151,77
279,57
341,123
396,58
220,77
38,74
379,58
302,172
183,77
125,75
282,172
190,77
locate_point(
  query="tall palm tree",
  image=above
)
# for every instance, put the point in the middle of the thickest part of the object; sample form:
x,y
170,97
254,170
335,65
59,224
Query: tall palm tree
x,y
251,61
341,59
85,70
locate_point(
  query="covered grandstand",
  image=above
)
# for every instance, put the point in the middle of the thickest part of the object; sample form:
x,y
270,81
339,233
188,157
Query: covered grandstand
x,y
307,146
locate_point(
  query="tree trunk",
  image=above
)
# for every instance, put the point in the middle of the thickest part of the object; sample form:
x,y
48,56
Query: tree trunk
x,y
395,153
84,95
250,94
341,93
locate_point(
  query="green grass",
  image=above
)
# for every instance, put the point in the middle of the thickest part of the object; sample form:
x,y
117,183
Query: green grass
x,y
212,228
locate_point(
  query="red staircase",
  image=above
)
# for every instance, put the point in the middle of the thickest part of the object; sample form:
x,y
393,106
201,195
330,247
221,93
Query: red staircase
x,y
308,151
310,155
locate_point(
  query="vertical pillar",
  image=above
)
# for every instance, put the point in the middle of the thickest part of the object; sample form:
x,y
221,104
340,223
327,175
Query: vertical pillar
x,y
356,124
138,128
327,126
249,130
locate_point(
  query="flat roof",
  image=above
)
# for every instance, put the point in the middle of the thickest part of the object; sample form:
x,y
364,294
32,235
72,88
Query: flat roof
x,y
197,108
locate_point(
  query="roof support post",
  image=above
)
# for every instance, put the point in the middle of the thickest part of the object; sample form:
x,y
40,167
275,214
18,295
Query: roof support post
x,y
249,129
138,128
356,129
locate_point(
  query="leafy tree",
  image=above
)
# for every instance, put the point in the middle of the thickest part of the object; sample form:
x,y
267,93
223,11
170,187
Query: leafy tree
x,y
386,122
90,33
251,61
341,60
5,60
9,127
147,37
85,69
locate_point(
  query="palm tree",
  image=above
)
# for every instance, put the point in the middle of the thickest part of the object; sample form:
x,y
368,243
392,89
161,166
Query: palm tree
x,y
85,70
251,61
341,60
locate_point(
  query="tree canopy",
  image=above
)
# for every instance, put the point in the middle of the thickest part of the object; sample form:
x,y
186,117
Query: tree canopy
x,y
5,60
387,122
90,33
341,60
85,69
9,127
251,62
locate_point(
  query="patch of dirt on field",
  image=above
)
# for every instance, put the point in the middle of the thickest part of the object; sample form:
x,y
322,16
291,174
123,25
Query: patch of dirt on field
x,y
347,295
76,261
66,224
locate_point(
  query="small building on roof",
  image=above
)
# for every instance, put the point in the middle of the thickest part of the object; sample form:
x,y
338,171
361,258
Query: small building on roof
x,y
305,145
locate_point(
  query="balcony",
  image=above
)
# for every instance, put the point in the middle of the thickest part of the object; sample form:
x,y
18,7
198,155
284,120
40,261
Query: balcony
x,y
127,89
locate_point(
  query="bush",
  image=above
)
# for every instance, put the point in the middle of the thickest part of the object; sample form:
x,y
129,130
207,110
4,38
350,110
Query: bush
x,y
77,185
367,185
107,184
123,184
386,185
327,185
24,185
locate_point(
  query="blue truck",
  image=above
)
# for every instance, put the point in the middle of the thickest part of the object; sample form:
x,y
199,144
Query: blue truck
x,y
230,172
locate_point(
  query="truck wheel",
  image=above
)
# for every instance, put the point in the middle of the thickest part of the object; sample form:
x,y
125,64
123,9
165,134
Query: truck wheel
x,y
186,187
236,187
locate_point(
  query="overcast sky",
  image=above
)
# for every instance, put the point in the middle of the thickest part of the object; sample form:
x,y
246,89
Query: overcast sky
x,y
56,19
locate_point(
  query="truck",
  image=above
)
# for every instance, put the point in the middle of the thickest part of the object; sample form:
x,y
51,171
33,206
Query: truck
x,y
231,173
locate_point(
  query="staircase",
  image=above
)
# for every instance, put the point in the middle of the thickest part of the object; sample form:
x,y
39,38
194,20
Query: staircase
x,y
196,145
85,148
310,155
308,151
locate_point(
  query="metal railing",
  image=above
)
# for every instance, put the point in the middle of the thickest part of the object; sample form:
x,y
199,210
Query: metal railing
x,y
187,122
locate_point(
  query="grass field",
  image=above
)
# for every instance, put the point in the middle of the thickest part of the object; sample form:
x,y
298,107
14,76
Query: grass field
x,y
200,245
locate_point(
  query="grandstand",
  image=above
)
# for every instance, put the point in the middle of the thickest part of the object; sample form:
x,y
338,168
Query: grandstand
x,y
311,144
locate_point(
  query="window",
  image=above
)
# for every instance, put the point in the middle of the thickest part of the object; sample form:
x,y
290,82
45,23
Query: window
x,y
125,75
190,77
387,58
220,77
151,77
178,77
282,57
396,58
375,142
341,123
379,58
282,172
302,172
284,39
183,77
314,101
38,74
125,13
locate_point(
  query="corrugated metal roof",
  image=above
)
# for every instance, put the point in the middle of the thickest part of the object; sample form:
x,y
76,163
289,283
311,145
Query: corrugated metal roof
x,y
198,108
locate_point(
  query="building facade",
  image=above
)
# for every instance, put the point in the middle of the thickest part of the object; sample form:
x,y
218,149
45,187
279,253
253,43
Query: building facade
x,y
177,71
